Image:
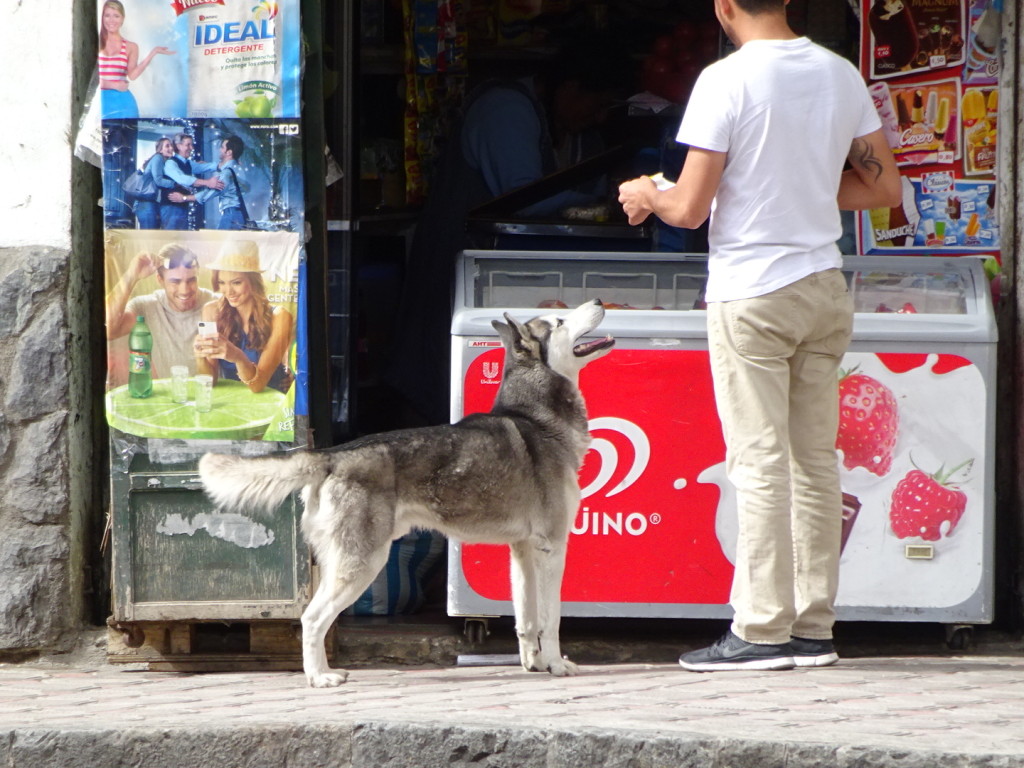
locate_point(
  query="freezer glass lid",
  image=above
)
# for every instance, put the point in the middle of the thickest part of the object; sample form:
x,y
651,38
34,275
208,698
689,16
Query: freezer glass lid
x,y
568,282
940,292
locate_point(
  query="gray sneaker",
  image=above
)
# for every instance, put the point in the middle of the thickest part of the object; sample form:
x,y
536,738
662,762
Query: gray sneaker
x,y
732,653
812,653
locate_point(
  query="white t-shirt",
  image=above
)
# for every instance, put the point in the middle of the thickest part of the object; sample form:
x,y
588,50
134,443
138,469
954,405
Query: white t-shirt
x,y
786,112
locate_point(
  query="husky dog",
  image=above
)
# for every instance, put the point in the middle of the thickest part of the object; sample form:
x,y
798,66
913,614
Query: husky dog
x,y
504,477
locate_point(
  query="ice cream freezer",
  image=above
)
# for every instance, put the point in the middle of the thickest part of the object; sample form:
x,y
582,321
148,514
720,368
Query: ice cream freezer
x,y
656,529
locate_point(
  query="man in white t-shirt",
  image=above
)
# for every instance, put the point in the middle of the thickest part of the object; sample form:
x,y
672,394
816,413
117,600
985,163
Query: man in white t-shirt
x,y
770,129
172,312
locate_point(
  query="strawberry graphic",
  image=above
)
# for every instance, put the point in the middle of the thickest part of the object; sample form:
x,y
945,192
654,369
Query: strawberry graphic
x,y
868,423
929,506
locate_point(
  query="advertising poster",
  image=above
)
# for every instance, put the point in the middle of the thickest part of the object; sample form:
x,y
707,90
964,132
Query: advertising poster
x,y
932,67
903,37
199,58
203,174
204,218
938,212
241,289
913,482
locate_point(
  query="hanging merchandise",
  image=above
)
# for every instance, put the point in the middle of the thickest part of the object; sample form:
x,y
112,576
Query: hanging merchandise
x,y
932,67
204,218
435,69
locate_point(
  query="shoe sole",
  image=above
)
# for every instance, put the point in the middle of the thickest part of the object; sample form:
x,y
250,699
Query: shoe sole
x,y
824,660
773,664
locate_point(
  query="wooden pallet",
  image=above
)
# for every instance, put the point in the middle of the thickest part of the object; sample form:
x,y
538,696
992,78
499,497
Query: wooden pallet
x,y
183,646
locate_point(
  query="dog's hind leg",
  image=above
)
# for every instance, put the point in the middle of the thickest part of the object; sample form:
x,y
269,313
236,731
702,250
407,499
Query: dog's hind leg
x,y
340,586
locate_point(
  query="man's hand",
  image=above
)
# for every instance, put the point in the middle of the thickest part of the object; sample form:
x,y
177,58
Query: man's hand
x,y
144,265
635,196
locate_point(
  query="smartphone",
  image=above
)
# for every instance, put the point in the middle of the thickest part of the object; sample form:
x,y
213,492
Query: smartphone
x,y
207,328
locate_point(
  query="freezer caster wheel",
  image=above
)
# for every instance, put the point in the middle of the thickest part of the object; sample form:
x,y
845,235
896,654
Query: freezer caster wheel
x,y
959,636
476,631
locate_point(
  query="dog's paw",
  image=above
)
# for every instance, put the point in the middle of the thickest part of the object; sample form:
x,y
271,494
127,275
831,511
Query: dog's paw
x,y
327,679
563,668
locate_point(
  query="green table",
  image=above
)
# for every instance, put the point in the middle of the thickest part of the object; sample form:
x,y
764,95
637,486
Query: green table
x,y
237,413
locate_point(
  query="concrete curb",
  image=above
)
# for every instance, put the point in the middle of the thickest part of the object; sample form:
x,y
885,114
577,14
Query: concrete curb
x,y
375,744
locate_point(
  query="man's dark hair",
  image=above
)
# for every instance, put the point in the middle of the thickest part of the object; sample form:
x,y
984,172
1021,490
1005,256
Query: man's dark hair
x,y
754,7
236,146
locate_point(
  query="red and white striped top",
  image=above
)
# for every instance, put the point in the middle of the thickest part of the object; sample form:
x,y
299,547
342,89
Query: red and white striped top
x,y
114,67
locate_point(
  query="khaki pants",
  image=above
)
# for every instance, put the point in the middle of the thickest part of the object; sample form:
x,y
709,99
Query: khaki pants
x,y
774,362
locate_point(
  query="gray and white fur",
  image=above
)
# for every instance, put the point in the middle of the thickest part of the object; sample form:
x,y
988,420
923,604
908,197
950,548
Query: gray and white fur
x,y
504,477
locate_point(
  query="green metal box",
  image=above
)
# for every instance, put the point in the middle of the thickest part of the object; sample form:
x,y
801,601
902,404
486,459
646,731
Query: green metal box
x,y
176,557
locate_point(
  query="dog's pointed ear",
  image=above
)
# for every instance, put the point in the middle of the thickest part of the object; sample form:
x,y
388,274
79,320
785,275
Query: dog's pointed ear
x,y
506,332
512,333
519,328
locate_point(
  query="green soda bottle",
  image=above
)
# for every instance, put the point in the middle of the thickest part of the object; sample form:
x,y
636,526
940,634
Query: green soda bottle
x,y
140,368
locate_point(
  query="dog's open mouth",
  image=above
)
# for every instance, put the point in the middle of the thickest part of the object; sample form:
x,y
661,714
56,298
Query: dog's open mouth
x,y
590,347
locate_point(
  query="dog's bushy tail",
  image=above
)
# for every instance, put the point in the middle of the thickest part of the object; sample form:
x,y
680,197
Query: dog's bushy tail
x,y
239,483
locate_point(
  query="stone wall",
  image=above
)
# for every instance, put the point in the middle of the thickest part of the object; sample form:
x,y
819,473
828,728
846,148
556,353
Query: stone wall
x,y
51,486
34,504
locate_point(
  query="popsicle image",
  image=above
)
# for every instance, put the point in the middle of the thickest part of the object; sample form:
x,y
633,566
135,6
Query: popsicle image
x,y
932,108
942,118
973,106
973,225
993,102
902,113
953,207
917,110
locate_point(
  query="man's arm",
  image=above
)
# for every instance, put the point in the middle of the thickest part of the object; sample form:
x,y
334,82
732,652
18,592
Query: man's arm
x,y
119,322
873,180
688,203
173,170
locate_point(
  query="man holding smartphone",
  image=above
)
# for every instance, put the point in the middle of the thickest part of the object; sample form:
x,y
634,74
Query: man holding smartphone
x,y
172,312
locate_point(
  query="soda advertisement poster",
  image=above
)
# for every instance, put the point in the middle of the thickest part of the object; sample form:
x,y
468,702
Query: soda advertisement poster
x,y
201,334
199,58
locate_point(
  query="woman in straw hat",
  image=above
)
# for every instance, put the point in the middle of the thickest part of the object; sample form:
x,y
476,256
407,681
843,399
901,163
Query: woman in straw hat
x,y
253,335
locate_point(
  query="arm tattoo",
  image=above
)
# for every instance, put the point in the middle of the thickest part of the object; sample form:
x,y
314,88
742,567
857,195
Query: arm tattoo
x,y
865,158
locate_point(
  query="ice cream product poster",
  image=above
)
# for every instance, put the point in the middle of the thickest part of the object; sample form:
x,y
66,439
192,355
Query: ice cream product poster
x,y
258,163
980,121
902,37
199,58
167,279
984,22
938,212
922,120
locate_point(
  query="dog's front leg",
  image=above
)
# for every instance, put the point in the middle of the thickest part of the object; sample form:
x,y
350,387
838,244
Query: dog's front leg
x,y
537,566
550,569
